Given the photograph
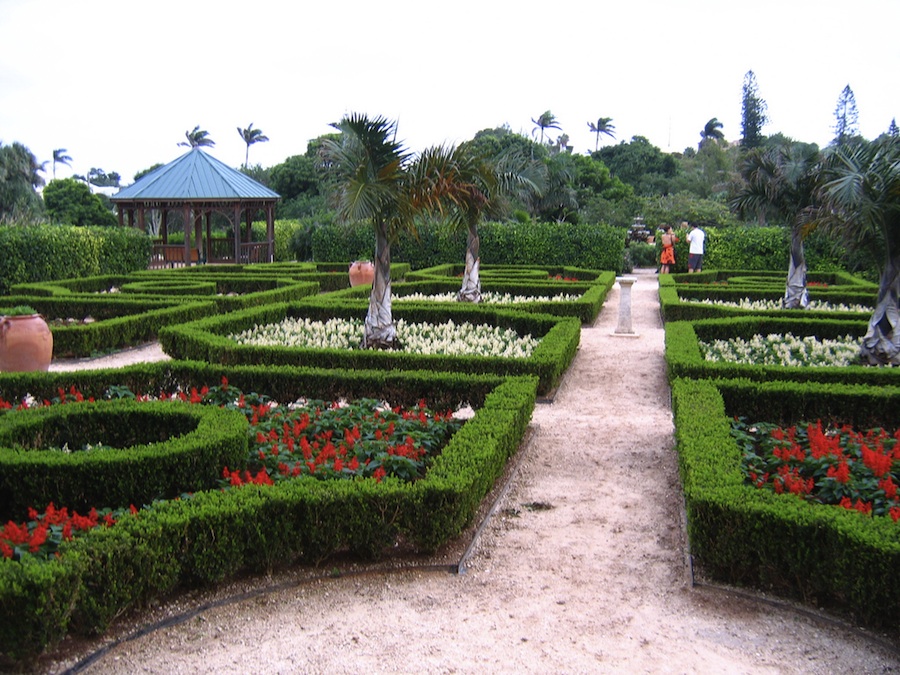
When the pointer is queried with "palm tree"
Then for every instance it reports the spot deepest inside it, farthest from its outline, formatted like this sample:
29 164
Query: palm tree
546 121
603 126
60 157
711 132
861 202
372 179
466 186
251 136
196 138
781 182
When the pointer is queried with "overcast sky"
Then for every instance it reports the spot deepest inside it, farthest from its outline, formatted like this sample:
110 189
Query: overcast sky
118 83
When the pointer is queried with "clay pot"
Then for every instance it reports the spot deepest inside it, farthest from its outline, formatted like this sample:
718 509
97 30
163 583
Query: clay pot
26 343
362 272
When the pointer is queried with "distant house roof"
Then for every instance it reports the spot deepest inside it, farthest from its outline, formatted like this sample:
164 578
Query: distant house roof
195 176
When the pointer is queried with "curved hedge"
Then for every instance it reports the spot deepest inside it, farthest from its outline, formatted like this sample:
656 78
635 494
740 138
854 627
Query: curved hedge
159 450
216 534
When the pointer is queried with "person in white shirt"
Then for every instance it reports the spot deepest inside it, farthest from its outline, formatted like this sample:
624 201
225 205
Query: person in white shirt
696 237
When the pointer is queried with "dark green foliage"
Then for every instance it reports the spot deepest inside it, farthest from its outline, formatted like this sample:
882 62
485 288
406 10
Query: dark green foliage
640 164
753 113
19 180
830 556
206 340
684 359
71 202
48 252
156 450
597 247
217 534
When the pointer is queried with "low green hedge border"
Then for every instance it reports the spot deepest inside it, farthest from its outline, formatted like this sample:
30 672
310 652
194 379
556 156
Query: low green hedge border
675 303
683 356
515 273
170 287
329 276
586 307
843 280
216 534
159 449
206 340
119 322
826 556
229 290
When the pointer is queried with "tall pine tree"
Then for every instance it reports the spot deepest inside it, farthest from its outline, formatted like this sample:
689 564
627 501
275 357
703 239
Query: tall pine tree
846 117
753 113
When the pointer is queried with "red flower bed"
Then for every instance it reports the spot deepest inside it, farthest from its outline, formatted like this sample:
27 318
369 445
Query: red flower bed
345 440
852 469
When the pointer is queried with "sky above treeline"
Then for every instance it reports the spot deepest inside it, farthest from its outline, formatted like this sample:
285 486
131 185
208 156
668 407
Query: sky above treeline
117 84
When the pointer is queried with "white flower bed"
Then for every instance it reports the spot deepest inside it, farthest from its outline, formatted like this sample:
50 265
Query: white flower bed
487 297
783 350
419 338
817 305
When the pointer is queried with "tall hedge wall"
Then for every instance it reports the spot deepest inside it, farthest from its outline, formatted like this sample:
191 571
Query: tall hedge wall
598 247
49 252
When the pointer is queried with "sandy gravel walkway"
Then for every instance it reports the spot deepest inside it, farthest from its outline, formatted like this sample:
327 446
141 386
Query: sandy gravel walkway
581 569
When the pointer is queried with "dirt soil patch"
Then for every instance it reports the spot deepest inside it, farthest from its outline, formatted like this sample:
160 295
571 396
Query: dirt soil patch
581 566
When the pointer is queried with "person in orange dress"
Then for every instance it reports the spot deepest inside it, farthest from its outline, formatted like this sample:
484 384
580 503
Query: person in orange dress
667 258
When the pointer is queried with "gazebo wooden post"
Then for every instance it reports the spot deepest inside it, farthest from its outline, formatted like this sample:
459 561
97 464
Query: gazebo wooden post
141 224
188 219
236 231
270 231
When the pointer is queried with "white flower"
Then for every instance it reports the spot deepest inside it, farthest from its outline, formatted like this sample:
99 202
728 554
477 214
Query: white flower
419 338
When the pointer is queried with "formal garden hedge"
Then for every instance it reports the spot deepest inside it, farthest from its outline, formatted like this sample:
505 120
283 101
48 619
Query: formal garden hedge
46 252
155 450
828 556
586 307
84 326
592 246
207 340
685 298
216 534
684 359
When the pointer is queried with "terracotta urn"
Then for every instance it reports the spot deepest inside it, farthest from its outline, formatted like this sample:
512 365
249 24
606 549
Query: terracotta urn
26 343
362 272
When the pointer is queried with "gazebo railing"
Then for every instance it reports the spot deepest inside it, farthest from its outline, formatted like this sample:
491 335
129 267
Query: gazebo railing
172 255
256 252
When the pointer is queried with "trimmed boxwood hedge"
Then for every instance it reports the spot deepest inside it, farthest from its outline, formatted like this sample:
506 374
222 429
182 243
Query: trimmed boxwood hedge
206 340
586 307
119 322
675 302
683 356
158 450
828 556
216 534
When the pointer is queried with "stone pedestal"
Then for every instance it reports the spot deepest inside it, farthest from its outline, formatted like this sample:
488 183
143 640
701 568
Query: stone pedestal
624 326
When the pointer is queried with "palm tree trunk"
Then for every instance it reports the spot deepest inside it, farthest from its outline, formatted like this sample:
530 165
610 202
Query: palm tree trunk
380 332
471 283
796 295
881 345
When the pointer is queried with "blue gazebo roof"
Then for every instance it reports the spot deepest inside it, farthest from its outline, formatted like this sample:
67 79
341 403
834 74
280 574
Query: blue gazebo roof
195 176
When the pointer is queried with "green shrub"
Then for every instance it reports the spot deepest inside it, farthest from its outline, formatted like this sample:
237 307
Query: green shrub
826 555
597 247
155 450
48 252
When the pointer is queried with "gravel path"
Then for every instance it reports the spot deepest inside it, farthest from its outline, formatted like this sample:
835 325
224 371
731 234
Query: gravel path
582 568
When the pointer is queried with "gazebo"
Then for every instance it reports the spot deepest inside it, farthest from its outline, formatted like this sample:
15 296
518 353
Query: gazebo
196 185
